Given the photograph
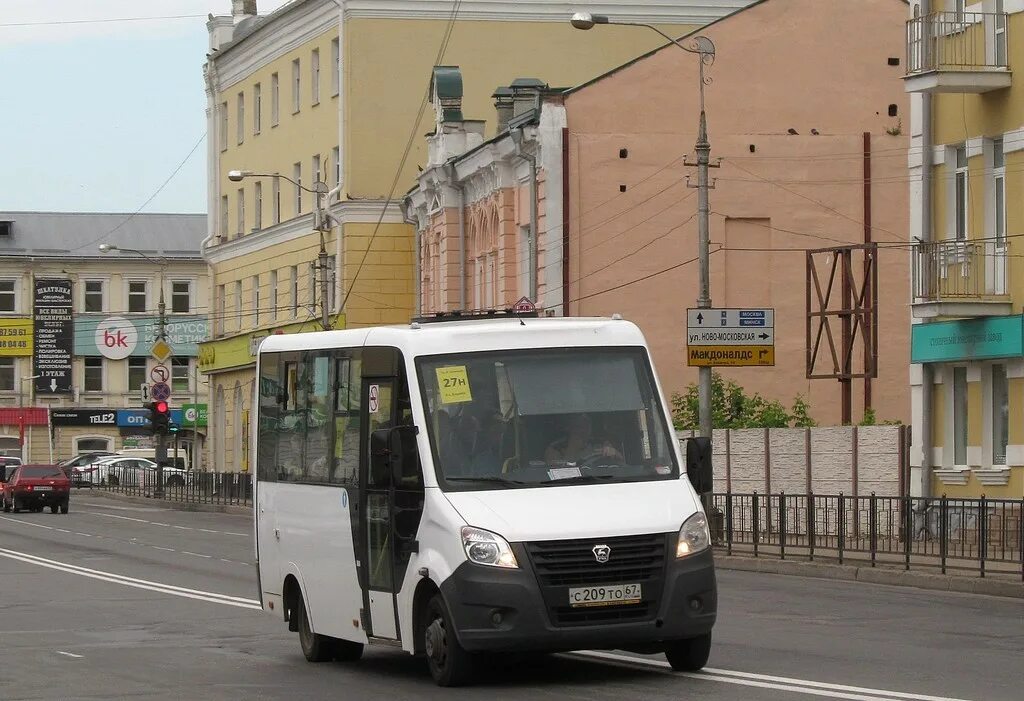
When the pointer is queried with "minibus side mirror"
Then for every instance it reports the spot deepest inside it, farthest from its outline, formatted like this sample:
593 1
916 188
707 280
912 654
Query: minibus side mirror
405 464
698 464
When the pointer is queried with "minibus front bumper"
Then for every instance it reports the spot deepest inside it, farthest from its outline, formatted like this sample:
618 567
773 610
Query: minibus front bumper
496 609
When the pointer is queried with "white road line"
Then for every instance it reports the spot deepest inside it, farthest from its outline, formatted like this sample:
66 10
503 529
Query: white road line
766 681
170 550
186 552
87 535
70 654
27 523
166 525
212 597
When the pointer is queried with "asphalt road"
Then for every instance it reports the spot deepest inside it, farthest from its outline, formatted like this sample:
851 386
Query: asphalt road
116 601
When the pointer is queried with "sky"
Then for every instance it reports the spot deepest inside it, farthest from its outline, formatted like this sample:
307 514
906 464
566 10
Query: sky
98 115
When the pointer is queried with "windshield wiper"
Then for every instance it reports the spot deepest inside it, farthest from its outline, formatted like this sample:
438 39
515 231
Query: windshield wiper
583 479
491 480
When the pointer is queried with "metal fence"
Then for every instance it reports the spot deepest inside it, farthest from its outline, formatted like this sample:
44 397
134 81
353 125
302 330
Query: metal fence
195 487
944 41
981 535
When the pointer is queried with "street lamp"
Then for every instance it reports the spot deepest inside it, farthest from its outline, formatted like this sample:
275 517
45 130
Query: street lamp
161 440
705 49
21 412
322 222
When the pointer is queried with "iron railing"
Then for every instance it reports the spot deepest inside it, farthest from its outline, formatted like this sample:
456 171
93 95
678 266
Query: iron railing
957 41
981 535
960 269
195 487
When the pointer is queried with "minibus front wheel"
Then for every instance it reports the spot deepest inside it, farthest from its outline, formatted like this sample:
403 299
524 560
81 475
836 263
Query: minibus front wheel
689 655
450 663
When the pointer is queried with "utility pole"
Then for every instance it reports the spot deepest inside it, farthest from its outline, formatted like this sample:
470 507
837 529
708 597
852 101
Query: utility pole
161 438
706 51
323 225
195 422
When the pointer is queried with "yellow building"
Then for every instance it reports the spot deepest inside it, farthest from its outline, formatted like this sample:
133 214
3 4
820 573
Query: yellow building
337 90
967 212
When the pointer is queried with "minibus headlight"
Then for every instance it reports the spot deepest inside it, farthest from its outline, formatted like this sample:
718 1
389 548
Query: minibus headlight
694 536
486 548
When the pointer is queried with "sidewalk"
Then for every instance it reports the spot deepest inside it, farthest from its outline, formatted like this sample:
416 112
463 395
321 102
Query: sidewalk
163 503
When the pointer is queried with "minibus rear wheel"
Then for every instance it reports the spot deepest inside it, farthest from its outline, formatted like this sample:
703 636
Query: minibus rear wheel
689 655
450 663
316 647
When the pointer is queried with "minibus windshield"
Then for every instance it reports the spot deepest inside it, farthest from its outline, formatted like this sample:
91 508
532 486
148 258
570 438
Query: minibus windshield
545 417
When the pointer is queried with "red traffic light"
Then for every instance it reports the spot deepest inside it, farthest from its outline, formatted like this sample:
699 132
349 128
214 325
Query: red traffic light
161 407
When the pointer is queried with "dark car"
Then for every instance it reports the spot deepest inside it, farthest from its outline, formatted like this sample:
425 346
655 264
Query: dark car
34 487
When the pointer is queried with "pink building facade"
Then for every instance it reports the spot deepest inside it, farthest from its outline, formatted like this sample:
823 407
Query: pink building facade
808 114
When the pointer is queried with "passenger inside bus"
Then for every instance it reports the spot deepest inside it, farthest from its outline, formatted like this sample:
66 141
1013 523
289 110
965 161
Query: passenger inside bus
578 445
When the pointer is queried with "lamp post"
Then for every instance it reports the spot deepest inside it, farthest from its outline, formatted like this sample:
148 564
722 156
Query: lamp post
705 50
21 412
321 222
161 439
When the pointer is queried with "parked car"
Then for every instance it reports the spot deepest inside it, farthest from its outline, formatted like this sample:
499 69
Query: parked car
9 460
81 467
34 487
134 472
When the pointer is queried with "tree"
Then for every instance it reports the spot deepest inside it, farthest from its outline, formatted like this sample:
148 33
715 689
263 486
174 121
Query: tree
731 407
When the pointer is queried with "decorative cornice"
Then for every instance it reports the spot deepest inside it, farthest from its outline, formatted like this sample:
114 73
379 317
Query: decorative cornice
274 38
348 212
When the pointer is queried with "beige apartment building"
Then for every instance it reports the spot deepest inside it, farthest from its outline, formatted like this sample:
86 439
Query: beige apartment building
806 114
77 324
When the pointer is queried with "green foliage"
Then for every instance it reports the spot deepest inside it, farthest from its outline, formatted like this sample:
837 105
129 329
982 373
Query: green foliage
732 407
871 419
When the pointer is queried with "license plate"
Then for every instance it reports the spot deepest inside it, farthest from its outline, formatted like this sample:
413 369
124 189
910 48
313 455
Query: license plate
44 489
611 595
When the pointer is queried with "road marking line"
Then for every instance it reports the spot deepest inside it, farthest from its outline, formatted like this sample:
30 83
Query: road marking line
212 597
766 681
165 525
70 654
63 530
27 523
170 550
186 552
87 535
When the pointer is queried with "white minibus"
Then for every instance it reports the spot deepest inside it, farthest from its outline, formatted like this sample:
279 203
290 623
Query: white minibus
463 485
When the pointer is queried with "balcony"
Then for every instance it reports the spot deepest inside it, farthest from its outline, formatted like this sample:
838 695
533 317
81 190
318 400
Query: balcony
957 52
961 279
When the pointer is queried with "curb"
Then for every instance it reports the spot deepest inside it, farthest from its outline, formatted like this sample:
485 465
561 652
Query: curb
167 504
873 575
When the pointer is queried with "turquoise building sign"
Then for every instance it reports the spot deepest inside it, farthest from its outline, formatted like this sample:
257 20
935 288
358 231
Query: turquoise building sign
967 339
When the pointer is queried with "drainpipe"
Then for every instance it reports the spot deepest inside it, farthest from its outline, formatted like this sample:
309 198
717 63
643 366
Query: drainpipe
532 240
927 234
409 216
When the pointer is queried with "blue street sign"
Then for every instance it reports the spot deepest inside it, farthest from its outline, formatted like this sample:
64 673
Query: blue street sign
161 391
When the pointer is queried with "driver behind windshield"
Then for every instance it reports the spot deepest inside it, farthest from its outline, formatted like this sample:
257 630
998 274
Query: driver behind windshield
578 445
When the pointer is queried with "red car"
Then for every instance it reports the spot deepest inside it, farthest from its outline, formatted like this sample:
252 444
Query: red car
34 487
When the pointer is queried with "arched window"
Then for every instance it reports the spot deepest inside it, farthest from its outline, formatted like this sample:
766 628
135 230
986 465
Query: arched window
237 433
87 444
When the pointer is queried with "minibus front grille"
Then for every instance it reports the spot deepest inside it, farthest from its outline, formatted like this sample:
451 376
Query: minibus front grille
570 563
569 616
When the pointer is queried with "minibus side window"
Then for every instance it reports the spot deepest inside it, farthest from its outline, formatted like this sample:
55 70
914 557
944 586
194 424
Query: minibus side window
270 392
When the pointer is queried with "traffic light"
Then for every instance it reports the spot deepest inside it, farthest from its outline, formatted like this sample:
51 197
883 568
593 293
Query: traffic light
159 417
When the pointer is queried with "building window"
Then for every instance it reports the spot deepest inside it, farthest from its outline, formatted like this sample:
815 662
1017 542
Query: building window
89 445
136 373
275 100
295 290
336 159
257 108
335 66
241 211
180 372
181 297
7 373
960 416
8 295
272 299
1000 31
257 210
1000 415
296 86
314 76
524 261
223 126
93 375
275 193
256 299
93 296
297 177
238 304
224 215
221 306
961 194
312 286
240 128
999 192
314 177
137 302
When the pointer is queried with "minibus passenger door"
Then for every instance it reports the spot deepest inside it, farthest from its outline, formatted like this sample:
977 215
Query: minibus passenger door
377 560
